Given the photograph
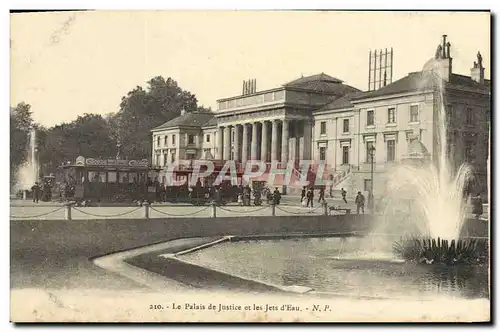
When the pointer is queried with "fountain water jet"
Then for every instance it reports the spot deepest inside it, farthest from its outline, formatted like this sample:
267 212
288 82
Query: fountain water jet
435 187
28 173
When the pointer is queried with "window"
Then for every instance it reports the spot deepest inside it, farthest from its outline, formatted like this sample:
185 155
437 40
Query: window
322 153
345 155
470 116
173 139
369 147
132 178
165 140
157 141
391 150
391 115
414 113
112 177
172 157
368 185
449 110
123 177
322 128
165 159
469 152
207 139
370 118
190 139
157 160
346 125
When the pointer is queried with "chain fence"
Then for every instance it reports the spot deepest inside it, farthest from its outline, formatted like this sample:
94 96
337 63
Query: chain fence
298 213
179 215
105 215
38 215
244 211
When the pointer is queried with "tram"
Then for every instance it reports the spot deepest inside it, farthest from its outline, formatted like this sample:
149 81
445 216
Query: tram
111 180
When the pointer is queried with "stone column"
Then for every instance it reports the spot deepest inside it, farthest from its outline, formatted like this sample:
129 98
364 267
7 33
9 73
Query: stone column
236 143
284 142
244 145
274 140
307 140
264 148
218 154
254 141
227 143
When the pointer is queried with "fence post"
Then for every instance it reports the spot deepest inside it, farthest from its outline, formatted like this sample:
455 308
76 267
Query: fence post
214 210
325 208
146 210
67 211
273 209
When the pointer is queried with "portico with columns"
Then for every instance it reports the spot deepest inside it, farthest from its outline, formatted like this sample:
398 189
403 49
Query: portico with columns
275 137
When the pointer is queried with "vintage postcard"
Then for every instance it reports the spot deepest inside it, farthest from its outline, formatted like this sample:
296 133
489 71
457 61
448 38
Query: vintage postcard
250 166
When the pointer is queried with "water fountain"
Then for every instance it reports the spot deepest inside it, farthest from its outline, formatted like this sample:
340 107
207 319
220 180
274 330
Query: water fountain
28 173
436 189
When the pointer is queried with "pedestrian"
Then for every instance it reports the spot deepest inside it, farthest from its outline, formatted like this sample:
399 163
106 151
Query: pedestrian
303 194
360 203
477 206
344 193
240 199
276 196
321 195
36 192
257 197
310 197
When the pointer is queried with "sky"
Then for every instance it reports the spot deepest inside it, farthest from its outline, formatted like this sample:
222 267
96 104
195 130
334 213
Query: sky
69 63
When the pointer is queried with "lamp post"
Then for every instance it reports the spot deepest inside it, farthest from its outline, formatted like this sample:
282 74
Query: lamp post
372 159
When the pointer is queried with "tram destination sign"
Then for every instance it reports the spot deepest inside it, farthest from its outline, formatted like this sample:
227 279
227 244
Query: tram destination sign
80 161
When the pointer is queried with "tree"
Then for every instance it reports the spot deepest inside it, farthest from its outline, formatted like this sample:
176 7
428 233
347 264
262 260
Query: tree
88 136
142 110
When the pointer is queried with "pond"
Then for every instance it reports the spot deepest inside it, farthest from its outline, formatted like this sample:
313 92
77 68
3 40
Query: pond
357 267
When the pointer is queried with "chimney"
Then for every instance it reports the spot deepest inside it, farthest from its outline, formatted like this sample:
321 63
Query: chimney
477 71
445 60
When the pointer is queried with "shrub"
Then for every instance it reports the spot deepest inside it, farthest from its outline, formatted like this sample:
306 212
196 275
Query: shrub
426 250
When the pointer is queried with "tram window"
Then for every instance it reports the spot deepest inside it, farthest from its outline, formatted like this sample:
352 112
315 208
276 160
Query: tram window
93 176
111 177
132 177
123 177
97 176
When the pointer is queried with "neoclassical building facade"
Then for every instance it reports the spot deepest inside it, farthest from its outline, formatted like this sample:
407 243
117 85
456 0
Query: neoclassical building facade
321 118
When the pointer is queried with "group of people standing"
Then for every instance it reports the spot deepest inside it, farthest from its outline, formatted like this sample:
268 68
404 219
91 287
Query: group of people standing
307 198
41 192
244 196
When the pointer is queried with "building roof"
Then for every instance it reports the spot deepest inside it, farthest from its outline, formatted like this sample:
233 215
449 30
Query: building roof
188 119
321 83
211 123
421 81
342 102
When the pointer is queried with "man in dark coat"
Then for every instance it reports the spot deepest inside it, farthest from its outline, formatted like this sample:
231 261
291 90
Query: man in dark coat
477 206
276 196
310 197
321 195
360 203
36 192
344 193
